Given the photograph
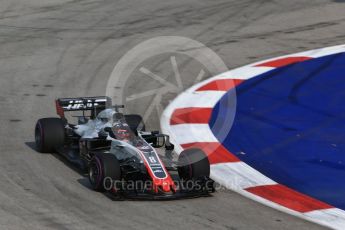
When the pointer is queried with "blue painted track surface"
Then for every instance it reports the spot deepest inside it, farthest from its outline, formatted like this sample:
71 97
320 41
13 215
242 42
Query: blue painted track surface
290 126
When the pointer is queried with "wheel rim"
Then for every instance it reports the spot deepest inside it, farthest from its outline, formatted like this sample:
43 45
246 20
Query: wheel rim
94 173
38 137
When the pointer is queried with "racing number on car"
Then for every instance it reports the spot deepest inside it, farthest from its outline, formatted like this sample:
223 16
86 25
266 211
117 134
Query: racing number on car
152 160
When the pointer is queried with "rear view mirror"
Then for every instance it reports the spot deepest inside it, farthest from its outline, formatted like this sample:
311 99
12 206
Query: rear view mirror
159 141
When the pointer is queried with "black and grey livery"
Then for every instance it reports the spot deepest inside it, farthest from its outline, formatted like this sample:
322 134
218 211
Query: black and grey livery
108 144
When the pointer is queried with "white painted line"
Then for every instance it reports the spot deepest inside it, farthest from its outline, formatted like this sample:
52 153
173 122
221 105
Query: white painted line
190 133
238 176
245 72
334 216
203 99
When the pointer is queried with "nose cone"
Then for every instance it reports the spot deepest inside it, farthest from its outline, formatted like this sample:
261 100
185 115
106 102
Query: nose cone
166 186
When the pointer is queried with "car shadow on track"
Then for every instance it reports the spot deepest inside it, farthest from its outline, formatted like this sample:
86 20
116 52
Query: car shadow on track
84 181
61 158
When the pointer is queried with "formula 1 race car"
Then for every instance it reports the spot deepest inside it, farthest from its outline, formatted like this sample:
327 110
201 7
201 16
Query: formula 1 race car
117 153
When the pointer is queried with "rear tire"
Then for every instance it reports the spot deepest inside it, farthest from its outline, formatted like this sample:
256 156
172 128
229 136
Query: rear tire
193 164
102 168
49 134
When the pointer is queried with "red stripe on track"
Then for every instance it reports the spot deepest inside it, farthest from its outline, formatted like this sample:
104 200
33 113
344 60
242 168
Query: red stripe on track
191 115
215 151
288 198
284 61
220 85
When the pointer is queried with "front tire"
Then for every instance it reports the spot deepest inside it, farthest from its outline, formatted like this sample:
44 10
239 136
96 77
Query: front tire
193 165
49 134
104 170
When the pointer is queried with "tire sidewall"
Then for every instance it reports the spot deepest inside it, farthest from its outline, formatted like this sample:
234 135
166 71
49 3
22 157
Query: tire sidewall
49 134
108 168
193 164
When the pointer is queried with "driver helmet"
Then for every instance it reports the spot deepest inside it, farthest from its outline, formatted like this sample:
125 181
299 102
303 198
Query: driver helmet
122 132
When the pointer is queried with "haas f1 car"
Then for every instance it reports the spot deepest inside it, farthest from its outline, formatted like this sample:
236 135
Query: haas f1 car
119 156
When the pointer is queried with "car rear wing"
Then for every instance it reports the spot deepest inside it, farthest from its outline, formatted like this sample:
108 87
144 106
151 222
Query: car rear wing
93 104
